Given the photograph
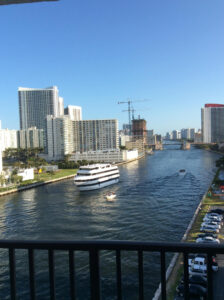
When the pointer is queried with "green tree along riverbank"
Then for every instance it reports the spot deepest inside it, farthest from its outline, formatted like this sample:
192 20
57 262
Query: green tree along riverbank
41 178
23 158
211 147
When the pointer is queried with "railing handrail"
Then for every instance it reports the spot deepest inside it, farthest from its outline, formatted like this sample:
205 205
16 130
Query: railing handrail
94 247
86 245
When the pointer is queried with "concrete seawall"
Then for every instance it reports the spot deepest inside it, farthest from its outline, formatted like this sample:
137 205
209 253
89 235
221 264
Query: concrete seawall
129 161
34 185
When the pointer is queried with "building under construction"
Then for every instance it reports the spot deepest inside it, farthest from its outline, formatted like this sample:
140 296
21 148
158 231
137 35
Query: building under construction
139 131
138 139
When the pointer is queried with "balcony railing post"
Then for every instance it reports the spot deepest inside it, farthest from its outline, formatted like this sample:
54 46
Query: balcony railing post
31 274
12 268
118 271
186 277
71 274
210 277
94 274
163 274
140 275
51 273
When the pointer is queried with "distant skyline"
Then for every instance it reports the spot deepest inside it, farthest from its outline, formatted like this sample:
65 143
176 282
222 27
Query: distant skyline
100 52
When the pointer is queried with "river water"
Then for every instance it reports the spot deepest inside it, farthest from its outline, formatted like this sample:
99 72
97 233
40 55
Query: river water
154 203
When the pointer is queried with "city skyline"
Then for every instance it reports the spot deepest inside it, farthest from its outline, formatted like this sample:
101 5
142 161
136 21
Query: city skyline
97 56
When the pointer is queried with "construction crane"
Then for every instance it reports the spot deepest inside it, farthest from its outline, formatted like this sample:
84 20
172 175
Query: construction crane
132 112
130 108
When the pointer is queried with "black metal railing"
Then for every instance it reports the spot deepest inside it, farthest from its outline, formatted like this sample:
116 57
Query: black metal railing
94 248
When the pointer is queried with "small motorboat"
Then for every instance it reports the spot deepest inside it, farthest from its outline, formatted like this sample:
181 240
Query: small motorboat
110 196
149 152
182 172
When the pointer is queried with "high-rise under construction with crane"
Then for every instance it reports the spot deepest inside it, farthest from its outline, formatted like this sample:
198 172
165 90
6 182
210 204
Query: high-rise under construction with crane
139 130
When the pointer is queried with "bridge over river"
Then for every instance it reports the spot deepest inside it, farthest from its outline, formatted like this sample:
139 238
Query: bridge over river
183 145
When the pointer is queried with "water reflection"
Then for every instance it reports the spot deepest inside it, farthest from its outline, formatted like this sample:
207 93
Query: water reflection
153 203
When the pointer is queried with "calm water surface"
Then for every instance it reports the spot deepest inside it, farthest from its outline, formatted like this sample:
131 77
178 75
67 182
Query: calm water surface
154 203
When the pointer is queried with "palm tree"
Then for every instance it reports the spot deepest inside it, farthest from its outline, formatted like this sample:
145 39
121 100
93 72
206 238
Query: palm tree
2 179
220 162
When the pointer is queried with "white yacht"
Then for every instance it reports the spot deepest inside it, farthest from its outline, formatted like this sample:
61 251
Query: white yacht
92 177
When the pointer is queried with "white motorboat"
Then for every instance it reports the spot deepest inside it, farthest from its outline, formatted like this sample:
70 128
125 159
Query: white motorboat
110 196
182 172
149 152
92 177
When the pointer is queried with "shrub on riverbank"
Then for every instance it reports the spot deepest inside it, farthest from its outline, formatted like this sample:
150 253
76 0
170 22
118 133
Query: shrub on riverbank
67 164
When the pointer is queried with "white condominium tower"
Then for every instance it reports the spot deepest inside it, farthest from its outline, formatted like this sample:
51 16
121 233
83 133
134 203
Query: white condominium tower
61 106
92 135
8 139
36 104
65 136
74 112
59 135
30 138
212 123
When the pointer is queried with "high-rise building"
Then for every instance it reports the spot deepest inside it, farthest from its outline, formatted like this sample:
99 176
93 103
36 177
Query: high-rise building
30 138
92 135
127 129
184 133
169 136
8 139
61 106
139 130
212 123
176 135
187 133
65 136
74 112
192 133
60 138
36 104
150 134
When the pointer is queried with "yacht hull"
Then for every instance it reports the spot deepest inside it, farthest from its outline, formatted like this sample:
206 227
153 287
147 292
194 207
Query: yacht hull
98 185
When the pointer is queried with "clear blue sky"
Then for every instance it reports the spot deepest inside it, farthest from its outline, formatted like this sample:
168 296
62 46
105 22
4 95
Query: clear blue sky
101 52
